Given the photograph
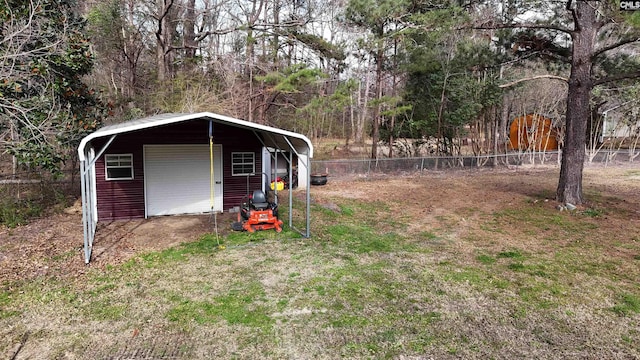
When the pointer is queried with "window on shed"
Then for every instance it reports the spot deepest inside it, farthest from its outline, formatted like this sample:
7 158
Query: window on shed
118 166
243 163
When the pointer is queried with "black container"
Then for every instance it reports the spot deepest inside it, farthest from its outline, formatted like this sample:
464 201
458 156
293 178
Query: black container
318 179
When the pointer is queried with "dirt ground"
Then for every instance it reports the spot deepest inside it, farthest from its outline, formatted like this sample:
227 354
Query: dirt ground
52 246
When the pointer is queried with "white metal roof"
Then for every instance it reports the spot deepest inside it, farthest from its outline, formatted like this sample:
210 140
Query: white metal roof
272 137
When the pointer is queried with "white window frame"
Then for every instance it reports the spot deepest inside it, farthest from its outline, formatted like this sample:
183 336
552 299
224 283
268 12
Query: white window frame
120 158
244 163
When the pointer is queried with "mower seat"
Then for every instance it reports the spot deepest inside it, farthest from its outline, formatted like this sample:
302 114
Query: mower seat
259 200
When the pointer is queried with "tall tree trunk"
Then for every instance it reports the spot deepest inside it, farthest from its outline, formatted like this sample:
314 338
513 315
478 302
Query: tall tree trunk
352 120
275 47
580 85
441 139
251 18
164 38
394 93
505 122
377 113
363 101
495 126
130 49
249 71
190 45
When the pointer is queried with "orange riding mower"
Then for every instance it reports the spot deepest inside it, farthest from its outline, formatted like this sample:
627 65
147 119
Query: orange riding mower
257 213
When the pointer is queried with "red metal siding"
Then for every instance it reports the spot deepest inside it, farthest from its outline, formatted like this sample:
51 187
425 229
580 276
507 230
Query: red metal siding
120 199
124 199
235 187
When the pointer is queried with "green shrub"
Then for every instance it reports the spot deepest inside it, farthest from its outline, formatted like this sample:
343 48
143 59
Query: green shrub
17 212
19 203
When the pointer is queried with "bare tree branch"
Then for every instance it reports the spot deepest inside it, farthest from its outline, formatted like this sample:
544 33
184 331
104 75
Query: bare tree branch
574 16
534 78
201 36
496 26
261 26
612 78
618 44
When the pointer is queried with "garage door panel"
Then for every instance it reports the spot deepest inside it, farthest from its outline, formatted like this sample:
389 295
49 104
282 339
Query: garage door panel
177 179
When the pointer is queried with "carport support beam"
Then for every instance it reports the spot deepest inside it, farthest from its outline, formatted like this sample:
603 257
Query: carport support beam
85 188
290 187
85 210
308 190
307 233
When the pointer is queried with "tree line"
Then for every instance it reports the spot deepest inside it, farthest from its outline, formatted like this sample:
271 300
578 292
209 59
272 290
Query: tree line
414 75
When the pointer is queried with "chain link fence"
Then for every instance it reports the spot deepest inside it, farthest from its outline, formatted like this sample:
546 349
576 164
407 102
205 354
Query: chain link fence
341 167
418 164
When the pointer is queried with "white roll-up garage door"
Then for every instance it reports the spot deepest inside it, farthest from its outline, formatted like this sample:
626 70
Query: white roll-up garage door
177 179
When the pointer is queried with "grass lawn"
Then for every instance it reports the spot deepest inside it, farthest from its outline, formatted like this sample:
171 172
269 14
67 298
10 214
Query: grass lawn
446 265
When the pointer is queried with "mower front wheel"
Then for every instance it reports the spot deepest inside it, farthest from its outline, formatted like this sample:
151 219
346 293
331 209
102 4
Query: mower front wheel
237 226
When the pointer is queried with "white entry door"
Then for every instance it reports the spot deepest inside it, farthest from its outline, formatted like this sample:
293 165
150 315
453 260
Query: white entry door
178 179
